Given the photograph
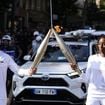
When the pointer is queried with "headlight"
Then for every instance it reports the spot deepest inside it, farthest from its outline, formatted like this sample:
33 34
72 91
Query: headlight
73 75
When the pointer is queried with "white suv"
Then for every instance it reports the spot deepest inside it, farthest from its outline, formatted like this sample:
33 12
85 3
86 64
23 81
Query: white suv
54 81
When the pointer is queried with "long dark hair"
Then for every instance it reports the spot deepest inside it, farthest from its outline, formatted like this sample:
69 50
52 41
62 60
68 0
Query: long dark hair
102 36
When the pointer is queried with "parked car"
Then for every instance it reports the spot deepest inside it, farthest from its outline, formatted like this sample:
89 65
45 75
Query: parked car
55 81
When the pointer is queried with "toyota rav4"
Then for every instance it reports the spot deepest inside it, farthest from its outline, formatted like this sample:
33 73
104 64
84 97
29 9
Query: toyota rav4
54 80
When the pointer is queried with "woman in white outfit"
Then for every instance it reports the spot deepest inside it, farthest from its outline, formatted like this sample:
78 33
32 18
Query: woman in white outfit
95 75
7 62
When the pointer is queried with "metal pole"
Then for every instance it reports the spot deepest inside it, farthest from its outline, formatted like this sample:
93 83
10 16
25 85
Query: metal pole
51 19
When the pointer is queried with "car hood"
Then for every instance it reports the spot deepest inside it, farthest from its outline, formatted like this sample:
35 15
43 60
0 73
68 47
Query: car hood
50 67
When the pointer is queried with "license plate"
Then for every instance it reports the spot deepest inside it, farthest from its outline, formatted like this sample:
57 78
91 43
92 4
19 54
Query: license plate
45 91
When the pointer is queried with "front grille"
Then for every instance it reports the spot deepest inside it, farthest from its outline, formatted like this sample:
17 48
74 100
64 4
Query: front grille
62 95
50 82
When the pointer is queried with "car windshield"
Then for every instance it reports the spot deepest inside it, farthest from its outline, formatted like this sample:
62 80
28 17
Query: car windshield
54 54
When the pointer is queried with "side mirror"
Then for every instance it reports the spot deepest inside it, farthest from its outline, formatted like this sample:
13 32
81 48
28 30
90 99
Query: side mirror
27 57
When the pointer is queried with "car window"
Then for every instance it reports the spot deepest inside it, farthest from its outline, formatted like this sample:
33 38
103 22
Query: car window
54 54
80 52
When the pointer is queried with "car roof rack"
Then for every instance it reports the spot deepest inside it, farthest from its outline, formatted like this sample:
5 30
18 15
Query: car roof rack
76 35
98 33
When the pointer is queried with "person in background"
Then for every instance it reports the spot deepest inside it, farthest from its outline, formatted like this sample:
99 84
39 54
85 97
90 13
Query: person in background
13 45
94 75
35 44
9 46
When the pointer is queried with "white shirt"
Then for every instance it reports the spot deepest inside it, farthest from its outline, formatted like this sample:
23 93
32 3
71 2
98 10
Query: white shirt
95 76
5 62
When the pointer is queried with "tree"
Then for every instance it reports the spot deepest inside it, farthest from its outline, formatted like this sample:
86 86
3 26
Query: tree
102 4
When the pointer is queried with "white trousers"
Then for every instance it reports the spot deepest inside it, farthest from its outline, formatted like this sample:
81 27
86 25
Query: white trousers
3 101
95 101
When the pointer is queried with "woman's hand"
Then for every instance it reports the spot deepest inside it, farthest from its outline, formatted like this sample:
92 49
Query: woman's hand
73 66
32 71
